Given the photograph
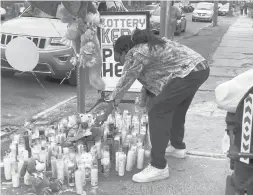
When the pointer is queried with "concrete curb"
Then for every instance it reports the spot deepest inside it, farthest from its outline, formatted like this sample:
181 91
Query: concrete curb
43 113
196 33
207 154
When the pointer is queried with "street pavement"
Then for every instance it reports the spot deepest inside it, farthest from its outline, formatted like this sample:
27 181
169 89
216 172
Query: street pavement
205 124
24 95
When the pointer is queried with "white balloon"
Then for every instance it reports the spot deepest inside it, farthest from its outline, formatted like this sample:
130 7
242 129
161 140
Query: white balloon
22 54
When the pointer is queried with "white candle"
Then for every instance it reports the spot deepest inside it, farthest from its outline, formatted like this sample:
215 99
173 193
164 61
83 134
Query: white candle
140 158
27 179
66 162
26 155
54 167
65 150
94 176
15 180
117 161
123 135
99 149
7 167
122 164
60 169
79 178
130 157
134 148
20 165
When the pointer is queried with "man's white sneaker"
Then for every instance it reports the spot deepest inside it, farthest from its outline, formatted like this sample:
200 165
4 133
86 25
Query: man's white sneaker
150 174
178 153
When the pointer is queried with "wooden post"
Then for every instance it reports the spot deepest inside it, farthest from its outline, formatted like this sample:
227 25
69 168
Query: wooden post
215 14
163 18
168 26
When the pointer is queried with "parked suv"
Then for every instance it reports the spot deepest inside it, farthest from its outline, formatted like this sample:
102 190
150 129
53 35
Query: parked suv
46 32
203 12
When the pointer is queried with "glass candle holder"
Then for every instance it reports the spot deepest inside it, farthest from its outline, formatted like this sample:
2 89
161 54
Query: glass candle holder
60 169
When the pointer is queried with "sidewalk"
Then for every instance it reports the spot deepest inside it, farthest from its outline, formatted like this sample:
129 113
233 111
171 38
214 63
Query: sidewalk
234 55
205 125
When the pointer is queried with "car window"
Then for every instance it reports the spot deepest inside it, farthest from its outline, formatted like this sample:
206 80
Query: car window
205 6
111 7
119 6
36 13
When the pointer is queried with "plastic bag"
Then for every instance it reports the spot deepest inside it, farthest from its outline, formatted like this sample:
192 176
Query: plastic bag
225 143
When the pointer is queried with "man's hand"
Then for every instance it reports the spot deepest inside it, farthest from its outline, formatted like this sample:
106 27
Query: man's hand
143 110
100 119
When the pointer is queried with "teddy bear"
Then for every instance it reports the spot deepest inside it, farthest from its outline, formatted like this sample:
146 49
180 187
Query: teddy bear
41 184
88 55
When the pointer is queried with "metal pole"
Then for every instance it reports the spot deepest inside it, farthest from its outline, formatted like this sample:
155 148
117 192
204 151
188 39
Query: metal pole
81 89
163 18
215 14
230 12
168 27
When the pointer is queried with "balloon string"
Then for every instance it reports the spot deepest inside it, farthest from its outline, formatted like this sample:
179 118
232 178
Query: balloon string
41 84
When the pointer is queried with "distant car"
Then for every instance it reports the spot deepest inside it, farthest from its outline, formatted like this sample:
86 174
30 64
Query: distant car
187 8
223 10
150 8
3 13
155 22
46 33
203 12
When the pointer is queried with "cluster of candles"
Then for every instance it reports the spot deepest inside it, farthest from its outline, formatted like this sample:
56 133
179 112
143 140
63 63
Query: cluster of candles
123 144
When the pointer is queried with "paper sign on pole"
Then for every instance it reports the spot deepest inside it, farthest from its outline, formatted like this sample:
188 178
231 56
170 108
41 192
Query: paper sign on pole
115 25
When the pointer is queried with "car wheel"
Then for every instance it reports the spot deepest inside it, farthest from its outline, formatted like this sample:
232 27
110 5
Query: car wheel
7 73
193 20
73 79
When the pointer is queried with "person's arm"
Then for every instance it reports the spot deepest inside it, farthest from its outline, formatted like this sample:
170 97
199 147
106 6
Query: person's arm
131 71
143 97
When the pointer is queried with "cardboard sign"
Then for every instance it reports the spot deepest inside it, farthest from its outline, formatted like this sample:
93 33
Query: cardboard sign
115 25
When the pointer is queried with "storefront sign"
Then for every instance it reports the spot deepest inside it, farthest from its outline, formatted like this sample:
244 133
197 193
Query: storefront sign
115 25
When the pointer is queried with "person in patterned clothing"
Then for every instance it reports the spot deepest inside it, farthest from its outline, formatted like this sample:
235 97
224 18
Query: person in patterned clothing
171 74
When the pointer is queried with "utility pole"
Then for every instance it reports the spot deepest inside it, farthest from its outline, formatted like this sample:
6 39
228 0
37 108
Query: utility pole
162 18
215 14
165 19
168 27
230 11
81 84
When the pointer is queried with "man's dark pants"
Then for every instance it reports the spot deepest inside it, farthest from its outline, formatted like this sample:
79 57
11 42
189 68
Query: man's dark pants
167 114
